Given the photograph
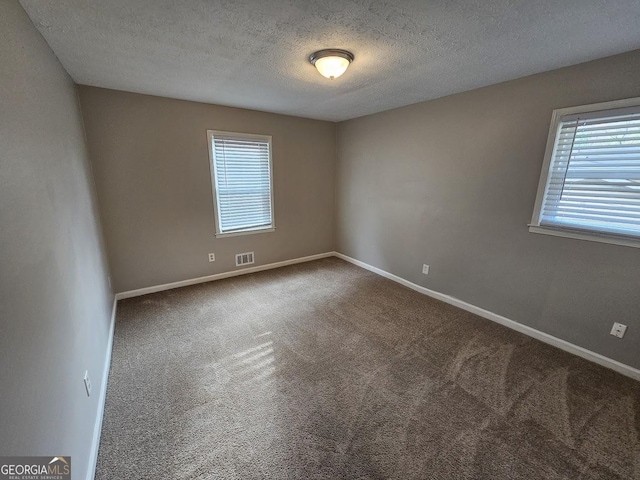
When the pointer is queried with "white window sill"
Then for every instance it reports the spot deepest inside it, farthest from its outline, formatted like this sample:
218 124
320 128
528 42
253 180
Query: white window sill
589 236
246 232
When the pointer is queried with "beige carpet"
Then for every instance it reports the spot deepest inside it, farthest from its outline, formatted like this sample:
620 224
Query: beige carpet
324 370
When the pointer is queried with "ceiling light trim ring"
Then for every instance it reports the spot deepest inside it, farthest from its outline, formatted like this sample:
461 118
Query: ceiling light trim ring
331 52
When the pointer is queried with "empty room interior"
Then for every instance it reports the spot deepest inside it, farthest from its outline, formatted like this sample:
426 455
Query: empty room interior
297 239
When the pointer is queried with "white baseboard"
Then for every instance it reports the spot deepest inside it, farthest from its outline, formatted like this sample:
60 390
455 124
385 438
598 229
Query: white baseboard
519 327
97 429
219 276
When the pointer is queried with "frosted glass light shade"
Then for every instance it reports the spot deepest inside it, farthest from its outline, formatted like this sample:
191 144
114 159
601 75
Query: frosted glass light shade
331 63
332 67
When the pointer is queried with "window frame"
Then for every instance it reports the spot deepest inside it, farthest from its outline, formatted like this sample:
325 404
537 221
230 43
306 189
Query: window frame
567 232
214 183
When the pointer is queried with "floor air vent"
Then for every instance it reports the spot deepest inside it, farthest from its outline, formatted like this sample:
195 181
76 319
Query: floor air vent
244 259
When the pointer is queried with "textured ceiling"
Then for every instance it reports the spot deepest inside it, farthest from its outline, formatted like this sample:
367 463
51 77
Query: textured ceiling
253 54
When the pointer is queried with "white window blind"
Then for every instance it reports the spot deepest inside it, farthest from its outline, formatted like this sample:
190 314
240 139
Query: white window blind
593 178
241 167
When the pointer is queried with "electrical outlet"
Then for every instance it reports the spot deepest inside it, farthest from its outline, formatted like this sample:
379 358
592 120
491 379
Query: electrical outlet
212 257
87 383
618 330
425 269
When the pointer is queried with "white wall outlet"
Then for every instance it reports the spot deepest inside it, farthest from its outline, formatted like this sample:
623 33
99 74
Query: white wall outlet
618 330
87 383
425 269
212 257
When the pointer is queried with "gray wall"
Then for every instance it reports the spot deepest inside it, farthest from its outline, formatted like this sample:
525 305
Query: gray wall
55 303
452 183
151 163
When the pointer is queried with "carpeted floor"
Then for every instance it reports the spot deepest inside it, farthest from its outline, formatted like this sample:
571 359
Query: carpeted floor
325 370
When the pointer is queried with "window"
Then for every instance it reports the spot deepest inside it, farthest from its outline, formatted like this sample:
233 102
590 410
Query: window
242 186
590 182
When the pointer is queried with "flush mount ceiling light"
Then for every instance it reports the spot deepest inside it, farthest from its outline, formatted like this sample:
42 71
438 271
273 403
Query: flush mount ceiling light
332 62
